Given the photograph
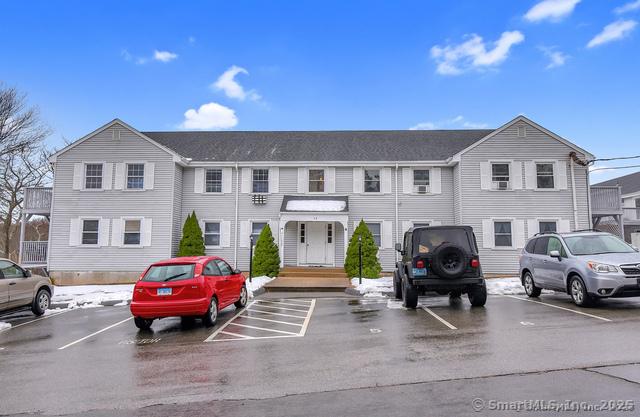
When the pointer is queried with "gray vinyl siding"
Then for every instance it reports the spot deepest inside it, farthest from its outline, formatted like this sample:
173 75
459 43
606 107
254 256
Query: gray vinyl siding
68 203
291 244
210 206
177 209
421 208
478 204
339 244
456 195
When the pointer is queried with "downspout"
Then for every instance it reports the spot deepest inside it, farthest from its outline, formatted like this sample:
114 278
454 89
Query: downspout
589 199
235 224
573 194
396 225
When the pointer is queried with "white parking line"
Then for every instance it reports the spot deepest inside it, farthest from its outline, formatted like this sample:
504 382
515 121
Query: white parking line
274 314
558 307
440 319
281 303
241 336
224 326
262 328
33 321
272 321
95 333
282 308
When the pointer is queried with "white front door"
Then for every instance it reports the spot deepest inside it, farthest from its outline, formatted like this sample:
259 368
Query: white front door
316 243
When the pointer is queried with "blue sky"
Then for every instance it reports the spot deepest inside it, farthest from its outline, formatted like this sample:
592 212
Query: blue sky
573 66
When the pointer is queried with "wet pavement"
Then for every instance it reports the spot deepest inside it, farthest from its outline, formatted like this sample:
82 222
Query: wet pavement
357 356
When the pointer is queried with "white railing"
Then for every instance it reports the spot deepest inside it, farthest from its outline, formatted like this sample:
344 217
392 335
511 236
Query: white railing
37 199
34 252
606 200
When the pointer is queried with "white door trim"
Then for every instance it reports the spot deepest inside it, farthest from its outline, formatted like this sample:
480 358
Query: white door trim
329 248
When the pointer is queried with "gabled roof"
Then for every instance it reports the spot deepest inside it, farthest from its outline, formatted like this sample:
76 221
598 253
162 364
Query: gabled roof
344 145
630 183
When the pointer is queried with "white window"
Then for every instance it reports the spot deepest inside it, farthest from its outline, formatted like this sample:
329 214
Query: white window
212 234
256 229
316 180
260 180
135 176
500 178
330 233
547 226
93 176
213 181
544 175
376 231
302 232
371 180
90 228
502 234
421 181
132 229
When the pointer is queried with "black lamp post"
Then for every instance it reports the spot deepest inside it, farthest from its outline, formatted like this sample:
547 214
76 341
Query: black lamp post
360 258
250 258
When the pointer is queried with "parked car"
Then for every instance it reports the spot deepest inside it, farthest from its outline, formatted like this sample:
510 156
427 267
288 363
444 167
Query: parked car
443 259
20 289
187 287
587 265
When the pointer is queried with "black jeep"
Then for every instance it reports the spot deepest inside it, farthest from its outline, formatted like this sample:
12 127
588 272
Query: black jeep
443 259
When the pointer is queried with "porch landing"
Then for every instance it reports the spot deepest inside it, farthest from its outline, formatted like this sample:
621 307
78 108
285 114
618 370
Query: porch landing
309 279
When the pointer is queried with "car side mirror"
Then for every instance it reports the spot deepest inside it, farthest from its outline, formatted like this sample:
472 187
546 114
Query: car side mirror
236 272
399 247
555 254
27 273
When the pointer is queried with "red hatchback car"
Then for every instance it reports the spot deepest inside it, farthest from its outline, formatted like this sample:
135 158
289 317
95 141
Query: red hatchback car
190 287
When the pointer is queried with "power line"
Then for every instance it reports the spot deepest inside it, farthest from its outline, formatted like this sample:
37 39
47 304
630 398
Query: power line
612 168
616 158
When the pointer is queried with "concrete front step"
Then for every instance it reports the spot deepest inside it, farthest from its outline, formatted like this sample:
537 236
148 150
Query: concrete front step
308 284
311 273
310 268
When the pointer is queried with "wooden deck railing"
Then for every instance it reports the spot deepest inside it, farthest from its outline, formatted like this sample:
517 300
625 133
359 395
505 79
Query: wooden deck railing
34 252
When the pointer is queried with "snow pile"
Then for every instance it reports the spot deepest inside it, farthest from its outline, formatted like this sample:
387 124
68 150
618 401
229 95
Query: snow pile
373 287
257 283
507 286
4 325
89 296
316 205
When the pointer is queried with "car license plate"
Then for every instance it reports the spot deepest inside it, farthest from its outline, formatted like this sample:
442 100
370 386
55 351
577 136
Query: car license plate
164 291
419 272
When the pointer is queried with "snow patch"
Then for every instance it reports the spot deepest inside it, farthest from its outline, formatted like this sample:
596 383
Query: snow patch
395 305
4 325
373 287
257 283
507 286
91 296
316 205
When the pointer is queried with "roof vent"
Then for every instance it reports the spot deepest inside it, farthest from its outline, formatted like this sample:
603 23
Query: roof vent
522 131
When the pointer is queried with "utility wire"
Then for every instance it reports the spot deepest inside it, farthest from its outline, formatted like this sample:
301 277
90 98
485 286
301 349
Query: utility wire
608 168
613 159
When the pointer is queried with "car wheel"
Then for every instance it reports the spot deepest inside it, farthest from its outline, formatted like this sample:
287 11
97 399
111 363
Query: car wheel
530 286
142 323
409 295
397 286
244 296
478 295
41 302
579 293
211 316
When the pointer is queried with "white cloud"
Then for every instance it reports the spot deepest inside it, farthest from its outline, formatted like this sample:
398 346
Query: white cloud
473 53
210 116
552 10
164 56
456 122
629 7
556 58
612 32
191 40
227 83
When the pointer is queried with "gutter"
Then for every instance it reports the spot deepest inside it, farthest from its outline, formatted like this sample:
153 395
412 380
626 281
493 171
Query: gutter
235 223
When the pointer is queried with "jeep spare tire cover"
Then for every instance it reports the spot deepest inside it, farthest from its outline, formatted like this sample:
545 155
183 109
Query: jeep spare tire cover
449 260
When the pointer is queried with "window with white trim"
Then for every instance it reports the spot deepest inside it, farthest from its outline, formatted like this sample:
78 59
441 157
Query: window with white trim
260 180
256 229
638 208
502 234
547 226
371 180
212 234
303 227
135 176
316 180
421 181
329 232
544 175
213 181
500 176
93 176
376 231
132 232
90 231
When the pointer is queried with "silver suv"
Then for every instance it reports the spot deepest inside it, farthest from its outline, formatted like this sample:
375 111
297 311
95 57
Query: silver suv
588 265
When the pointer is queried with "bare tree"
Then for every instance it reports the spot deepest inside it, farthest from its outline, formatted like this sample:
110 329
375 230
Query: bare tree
21 128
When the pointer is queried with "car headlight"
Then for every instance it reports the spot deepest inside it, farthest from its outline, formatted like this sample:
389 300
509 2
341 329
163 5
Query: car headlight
601 268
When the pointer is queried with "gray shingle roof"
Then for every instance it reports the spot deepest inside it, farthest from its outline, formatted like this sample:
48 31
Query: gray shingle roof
629 183
358 145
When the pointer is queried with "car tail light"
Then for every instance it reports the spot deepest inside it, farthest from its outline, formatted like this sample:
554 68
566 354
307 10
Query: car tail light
475 263
420 264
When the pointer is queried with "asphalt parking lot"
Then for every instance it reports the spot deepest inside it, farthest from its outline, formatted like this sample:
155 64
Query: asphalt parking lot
336 355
